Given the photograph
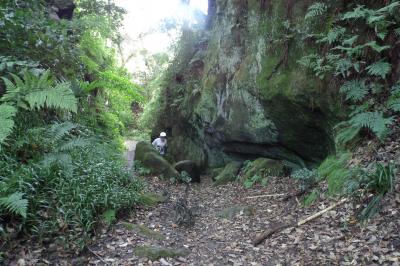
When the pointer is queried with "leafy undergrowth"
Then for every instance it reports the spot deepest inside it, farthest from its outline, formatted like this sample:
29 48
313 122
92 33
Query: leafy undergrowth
66 192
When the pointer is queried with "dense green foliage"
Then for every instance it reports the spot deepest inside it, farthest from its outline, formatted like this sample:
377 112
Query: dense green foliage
354 53
359 43
64 105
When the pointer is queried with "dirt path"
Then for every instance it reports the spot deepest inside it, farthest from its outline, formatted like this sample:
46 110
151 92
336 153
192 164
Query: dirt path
227 221
130 152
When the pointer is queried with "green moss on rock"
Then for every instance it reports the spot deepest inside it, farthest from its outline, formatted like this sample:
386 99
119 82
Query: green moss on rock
151 199
144 230
229 173
155 253
264 166
153 161
231 212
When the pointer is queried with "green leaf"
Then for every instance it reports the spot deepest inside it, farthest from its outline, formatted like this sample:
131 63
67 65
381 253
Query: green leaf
315 10
377 47
359 12
354 90
59 97
350 41
15 204
7 113
375 121
380 68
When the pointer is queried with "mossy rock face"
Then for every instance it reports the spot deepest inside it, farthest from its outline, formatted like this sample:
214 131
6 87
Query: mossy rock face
231 212
144 230
229 173
252 100
265 167
155 253
153 161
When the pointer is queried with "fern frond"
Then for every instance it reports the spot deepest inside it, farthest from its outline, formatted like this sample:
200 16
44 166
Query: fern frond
59 130
333 35
315 10
58 97
346 134
377 47
394 99
375 121
62 160
380 69
354 90
389 8
359 12
73 143
11 90
15 204
7 113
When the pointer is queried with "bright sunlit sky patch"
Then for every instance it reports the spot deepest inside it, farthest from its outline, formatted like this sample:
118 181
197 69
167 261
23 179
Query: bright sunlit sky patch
146 15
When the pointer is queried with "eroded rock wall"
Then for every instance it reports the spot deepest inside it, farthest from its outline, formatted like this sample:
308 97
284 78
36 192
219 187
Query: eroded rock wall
236 91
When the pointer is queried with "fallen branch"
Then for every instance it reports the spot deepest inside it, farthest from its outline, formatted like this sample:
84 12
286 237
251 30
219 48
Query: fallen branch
280 227
98 256
266 196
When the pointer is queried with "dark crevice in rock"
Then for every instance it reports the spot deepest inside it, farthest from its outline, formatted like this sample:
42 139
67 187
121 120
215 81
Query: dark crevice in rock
277 151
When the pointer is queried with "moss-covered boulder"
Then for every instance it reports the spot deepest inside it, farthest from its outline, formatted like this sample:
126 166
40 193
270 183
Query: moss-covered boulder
155 253
229 173
151 199
141 149
152 160
229 213
144 230
265 167
190 168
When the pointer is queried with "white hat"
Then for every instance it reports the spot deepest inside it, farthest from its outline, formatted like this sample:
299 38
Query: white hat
163 134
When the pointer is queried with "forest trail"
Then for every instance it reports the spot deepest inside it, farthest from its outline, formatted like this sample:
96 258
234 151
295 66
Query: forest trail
130 146
226 222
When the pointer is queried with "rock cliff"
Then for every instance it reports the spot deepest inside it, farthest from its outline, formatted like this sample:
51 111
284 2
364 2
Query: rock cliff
236 91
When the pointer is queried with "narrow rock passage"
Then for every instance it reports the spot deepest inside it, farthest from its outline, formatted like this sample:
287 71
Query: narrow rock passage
227 221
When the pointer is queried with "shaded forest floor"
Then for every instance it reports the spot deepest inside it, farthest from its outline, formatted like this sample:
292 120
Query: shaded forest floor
227 221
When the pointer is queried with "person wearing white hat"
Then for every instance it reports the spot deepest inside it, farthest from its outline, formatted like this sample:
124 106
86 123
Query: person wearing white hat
161 143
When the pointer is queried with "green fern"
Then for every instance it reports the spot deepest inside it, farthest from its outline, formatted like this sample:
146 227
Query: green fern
58 97
355 90
394 99
37 92
315 10
58 130
7 113
389 8
380 69
375 121
359 12
333 35
377 47
73 143
346 133
15 204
